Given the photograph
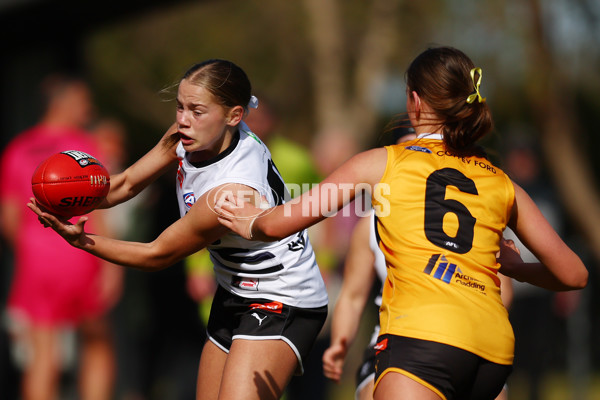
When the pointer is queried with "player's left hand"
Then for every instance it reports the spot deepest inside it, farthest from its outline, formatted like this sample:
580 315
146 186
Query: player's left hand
73 233
509 256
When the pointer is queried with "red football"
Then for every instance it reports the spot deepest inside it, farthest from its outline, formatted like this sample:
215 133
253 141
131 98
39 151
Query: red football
70 183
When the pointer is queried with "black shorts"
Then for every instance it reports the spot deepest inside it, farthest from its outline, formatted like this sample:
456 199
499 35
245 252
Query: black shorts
234 317
453 373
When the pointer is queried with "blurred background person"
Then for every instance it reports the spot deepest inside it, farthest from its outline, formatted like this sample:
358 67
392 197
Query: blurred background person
293 160
538 315
56 292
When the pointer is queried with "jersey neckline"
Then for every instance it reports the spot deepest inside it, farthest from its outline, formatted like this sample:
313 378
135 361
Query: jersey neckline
221 155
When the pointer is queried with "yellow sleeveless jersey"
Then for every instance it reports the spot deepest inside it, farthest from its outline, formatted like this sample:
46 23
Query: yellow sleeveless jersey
440 221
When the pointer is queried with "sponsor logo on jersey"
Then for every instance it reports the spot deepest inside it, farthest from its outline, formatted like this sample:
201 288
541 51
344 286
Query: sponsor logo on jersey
418 148
380 346
273 306
189 199
245 283
438 267
482 164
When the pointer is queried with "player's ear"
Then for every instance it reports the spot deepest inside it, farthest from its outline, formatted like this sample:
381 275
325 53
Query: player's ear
417 103
235 115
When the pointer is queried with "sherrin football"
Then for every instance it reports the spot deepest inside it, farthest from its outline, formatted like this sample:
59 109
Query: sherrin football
70 183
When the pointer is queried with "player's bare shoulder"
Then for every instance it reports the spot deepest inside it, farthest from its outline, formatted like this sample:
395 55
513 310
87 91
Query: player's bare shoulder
368 166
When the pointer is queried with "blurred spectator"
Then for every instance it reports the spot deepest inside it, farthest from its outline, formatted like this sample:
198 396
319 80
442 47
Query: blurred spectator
537 314
56 290
111 138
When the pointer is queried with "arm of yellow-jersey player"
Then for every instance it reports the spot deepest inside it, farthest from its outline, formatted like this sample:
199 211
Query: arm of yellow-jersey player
559 267
363 171
509 253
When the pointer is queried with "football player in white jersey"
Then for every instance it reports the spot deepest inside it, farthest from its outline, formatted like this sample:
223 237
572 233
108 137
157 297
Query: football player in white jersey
271 300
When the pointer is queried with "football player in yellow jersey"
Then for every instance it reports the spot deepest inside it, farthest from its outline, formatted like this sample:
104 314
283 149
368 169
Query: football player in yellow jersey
441 208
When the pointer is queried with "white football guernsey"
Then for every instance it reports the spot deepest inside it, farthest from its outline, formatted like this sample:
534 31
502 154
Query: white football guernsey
284 271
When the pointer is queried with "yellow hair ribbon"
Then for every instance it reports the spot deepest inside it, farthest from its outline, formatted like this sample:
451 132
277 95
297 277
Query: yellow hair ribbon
476 95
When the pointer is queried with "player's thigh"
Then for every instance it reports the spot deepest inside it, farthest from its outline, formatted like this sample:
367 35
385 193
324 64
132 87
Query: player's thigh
394 385
257 370
210 371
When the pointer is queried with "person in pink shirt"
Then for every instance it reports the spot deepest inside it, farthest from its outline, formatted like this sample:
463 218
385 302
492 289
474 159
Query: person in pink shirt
55 288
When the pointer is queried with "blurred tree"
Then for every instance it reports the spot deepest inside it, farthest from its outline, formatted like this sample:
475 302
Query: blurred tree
552 98
342 103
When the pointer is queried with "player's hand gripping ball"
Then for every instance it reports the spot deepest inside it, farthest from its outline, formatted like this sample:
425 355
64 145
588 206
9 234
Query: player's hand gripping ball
70 183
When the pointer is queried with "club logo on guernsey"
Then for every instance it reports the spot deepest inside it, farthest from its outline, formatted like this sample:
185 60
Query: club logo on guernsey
189 199
438 267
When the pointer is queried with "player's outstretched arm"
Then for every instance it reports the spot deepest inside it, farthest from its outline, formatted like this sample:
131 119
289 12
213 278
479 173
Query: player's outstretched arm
364 170
197 229
559 267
